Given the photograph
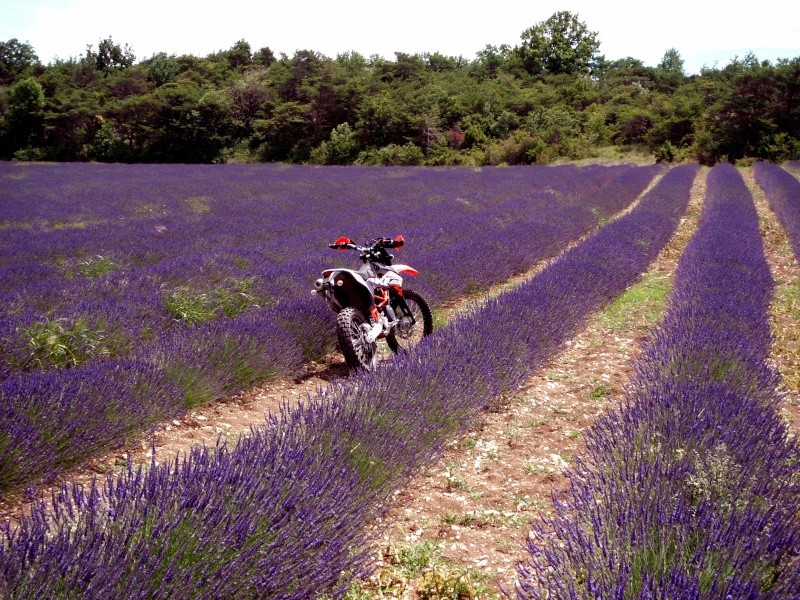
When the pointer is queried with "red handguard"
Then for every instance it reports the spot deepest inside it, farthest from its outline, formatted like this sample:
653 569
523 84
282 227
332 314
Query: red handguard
397 242
341 244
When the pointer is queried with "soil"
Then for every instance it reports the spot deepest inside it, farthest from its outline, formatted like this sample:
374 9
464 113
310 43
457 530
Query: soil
785 313
477 501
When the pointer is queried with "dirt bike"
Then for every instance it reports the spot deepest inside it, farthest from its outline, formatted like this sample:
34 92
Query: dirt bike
371 303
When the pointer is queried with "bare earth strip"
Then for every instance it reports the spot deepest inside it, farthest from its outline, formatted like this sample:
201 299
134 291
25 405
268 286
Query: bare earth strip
477 501
785 309
235 416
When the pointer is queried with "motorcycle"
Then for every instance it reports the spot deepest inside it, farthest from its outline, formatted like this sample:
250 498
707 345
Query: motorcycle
371 303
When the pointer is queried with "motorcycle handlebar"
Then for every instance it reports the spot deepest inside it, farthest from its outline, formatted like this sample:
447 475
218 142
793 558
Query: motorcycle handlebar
397 242
388 243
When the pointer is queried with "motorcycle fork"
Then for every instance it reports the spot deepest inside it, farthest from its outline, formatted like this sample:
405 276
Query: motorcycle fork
399 300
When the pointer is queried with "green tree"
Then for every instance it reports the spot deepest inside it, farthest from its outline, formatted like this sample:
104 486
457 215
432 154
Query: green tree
15 58
130 129
70 124
286 134
22 120
491 60
670 73
162 68
193 124
110 55
405 67
340 149
250 97
624 72
741 114
380 121
787 100
240 55
561 44
265 57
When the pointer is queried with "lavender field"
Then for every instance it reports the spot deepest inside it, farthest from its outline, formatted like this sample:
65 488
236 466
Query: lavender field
689 490
284 513
133 293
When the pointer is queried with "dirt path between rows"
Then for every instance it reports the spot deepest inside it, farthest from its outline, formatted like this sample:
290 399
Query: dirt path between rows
234 416
785 309
476 503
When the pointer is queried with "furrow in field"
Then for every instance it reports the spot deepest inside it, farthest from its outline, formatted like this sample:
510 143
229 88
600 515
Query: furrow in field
785 306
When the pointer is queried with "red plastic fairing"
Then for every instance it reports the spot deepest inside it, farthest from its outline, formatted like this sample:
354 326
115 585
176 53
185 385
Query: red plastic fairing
343 240
327 272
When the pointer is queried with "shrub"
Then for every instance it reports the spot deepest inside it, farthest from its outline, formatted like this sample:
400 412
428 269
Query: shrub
393 155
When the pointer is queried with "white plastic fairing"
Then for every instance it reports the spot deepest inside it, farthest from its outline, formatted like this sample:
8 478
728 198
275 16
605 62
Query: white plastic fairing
406 270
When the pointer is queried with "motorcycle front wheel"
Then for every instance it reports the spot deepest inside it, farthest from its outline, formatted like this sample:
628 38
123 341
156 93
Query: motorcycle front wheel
414 324
352 329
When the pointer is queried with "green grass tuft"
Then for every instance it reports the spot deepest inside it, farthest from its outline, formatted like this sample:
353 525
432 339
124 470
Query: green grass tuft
96 266
230 298
418 569
60 343
645 300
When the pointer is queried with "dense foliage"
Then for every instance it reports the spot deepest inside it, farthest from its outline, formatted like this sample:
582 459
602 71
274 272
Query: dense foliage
131 293
283 515
690 489
552 96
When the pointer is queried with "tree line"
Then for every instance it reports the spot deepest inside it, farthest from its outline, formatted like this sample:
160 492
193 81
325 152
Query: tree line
551 97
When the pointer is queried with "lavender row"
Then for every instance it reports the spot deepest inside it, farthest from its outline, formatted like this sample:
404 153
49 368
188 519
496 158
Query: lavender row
52 420
688 490
103 286
285 514
783 194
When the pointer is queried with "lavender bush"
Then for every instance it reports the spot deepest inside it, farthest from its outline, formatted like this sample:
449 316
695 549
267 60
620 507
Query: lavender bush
690 489
199 276
285 513
783 194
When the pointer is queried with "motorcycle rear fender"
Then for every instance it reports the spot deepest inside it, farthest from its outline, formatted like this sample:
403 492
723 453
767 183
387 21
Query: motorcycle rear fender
353 291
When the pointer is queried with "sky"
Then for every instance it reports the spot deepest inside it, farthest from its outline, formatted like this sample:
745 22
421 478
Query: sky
705 33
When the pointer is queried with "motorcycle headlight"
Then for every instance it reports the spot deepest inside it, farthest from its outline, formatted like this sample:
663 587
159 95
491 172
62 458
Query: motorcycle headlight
318 285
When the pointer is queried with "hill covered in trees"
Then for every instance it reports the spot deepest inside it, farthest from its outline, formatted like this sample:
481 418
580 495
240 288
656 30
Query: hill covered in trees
551 97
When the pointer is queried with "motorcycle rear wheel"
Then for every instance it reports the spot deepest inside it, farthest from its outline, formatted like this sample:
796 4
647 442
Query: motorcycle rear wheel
409 332
352 328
